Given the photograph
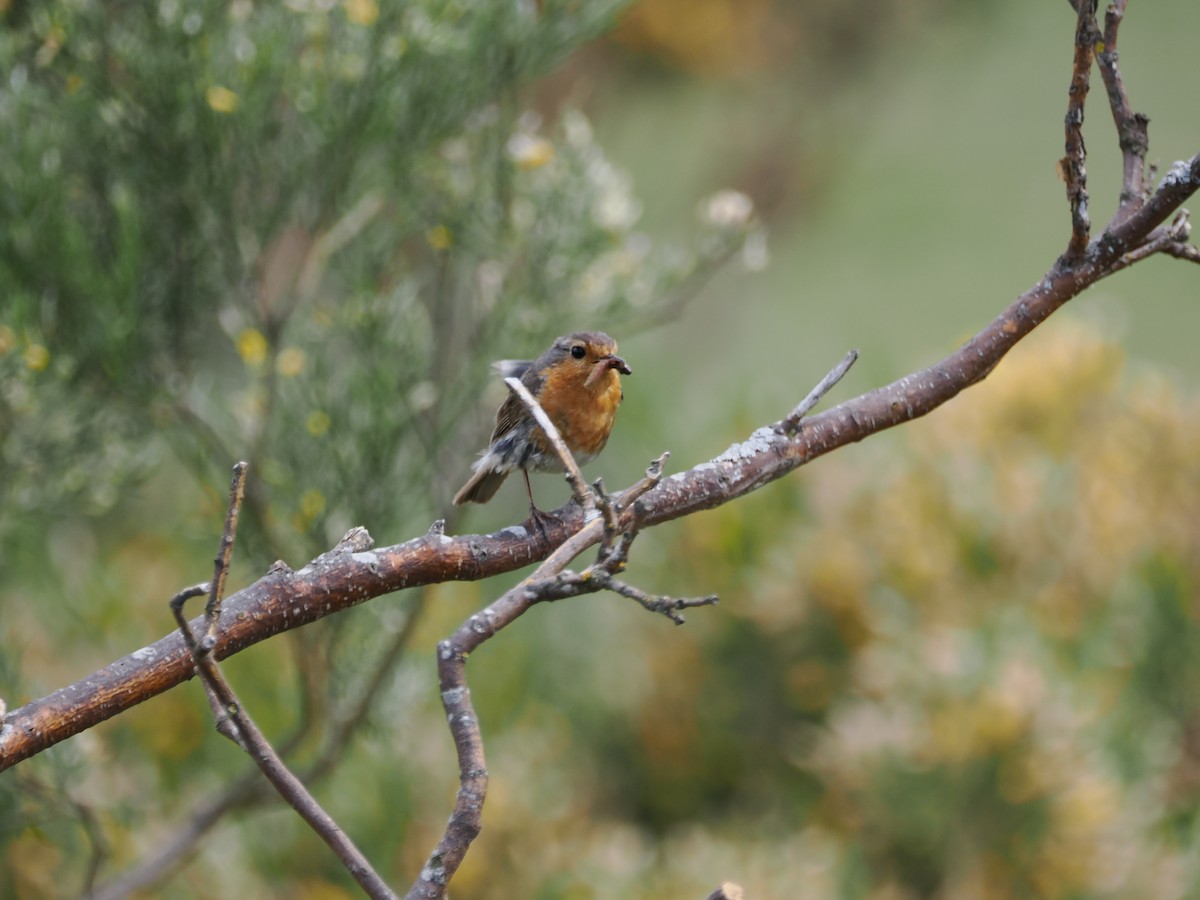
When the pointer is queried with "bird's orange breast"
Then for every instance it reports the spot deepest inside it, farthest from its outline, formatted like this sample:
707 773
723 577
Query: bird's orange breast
583 415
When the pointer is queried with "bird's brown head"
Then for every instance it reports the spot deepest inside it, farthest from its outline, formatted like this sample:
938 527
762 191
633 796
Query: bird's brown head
589 356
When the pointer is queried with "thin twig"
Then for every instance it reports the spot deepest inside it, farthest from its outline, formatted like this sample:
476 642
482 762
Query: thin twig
176 603
289 786
212 610
792 421
1132 128
658 603
579 487
594 529
1169 239
549 582
1073 164
1186 252
608 513
234 722
248 789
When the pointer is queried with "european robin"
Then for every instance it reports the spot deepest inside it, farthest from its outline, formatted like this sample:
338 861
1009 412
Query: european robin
577 383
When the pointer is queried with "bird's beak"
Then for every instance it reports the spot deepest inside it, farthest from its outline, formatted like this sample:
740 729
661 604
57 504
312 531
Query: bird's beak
605 364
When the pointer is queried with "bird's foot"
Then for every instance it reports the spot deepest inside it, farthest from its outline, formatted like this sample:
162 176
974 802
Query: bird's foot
541 519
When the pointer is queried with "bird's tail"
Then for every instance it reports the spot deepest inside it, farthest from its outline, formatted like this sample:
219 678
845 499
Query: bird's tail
481 487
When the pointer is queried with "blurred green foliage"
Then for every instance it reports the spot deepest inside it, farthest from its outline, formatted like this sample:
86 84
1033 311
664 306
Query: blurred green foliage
956 661
211 209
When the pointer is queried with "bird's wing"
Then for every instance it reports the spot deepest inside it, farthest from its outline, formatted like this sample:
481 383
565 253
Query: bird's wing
508 416
512 410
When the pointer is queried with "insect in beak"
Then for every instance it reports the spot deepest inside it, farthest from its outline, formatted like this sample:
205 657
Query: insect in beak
605 364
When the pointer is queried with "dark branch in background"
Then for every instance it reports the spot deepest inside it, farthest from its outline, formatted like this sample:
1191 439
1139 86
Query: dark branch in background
55 794
234 722
1147 222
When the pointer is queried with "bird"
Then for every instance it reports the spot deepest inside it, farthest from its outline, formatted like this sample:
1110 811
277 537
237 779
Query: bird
577 381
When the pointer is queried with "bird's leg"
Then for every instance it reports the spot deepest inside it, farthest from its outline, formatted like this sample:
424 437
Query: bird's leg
536 515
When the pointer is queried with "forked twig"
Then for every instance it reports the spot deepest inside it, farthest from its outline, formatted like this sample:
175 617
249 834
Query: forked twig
234 722
549 582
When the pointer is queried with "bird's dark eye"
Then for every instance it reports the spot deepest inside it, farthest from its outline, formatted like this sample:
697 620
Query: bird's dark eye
577 351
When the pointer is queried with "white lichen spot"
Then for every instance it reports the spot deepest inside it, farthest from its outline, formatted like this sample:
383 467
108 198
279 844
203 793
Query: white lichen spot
145 654
1179 173
434 874
761 441
453 697
366 557
517 531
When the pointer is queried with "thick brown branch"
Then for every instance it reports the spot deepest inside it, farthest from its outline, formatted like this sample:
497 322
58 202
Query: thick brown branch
348 576
283 600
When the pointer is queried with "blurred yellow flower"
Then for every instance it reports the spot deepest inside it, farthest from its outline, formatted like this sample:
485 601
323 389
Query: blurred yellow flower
317 422
221 99
439 237
252 347
291 362
8 339
361 12
37 357
312 503
1092 802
